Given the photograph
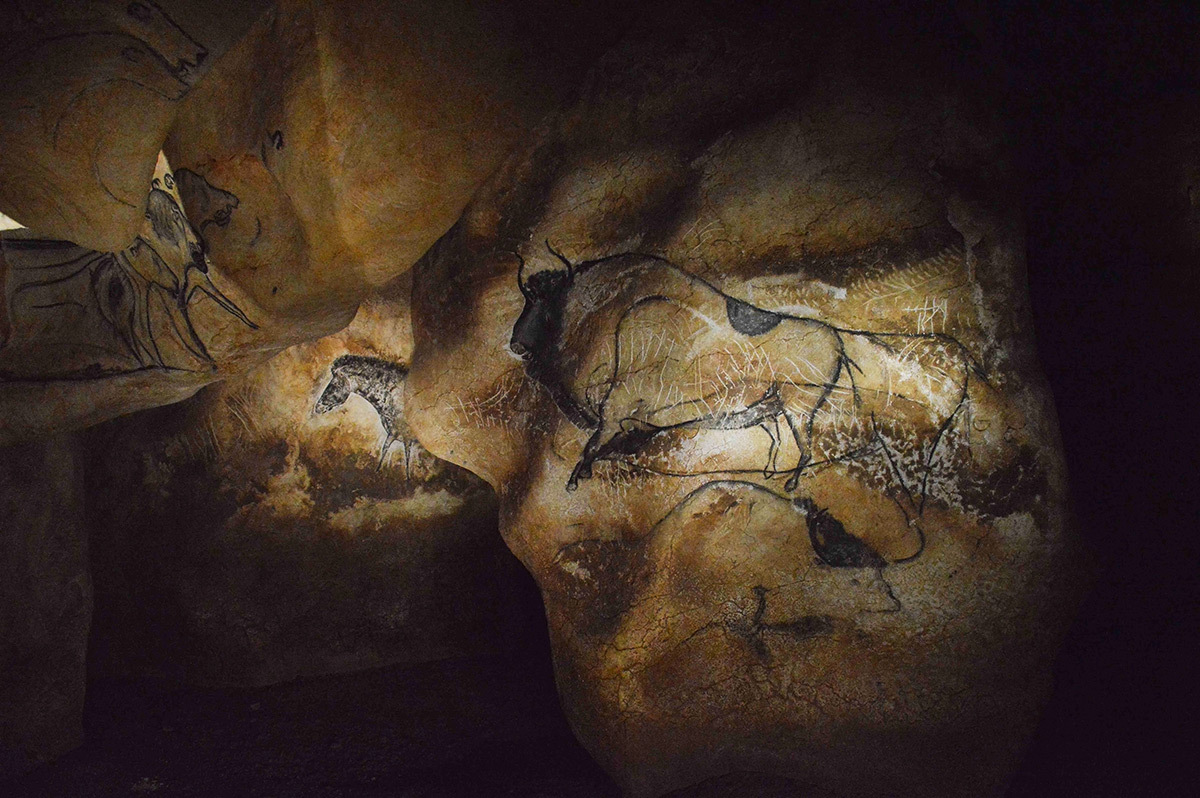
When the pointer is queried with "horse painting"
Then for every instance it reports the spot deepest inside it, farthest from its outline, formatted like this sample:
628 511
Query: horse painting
381 383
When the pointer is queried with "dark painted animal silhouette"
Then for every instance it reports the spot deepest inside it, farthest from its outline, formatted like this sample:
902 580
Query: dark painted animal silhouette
631 347
381 383
208 204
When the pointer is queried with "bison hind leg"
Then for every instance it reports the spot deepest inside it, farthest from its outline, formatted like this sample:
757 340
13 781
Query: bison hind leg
583 469
804 445
794 480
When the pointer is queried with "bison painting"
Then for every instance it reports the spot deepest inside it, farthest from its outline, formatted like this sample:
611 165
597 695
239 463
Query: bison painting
632 347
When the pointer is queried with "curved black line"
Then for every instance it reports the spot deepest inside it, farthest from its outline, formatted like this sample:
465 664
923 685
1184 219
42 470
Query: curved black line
87 253
888 453
100 178
36 243
89 88
53 281
59 305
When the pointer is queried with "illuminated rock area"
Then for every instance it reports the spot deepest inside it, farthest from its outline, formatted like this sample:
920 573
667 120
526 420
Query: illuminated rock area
203 185
748 363
325 326
285 523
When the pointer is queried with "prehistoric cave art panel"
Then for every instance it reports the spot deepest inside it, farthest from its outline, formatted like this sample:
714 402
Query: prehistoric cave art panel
747 359
142 35
90 92
73 313
275 514
669 376
737 488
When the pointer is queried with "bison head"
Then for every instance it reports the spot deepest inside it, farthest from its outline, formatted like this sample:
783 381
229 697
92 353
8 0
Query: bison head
540 321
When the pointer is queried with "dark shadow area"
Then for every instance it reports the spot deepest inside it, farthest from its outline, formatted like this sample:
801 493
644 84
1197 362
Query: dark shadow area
1107 105
485 726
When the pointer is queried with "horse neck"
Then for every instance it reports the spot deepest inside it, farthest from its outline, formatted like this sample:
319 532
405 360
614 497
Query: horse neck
379 391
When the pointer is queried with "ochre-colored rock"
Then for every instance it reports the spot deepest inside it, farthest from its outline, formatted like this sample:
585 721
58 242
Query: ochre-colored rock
742 342
285 523
317 158
90 90
739 336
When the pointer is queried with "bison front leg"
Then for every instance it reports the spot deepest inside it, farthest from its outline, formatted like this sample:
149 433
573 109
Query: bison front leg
629 438
591 450
770 467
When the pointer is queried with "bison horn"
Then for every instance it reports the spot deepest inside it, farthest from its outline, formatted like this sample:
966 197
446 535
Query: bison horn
521 275
563 258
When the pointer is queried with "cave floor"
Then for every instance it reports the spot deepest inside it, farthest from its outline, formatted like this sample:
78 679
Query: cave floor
466 727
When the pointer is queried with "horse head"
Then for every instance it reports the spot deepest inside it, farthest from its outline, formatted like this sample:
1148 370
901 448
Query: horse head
336 392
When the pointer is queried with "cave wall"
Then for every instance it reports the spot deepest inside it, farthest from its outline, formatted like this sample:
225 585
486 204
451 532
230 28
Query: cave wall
855 171
259 532
45 601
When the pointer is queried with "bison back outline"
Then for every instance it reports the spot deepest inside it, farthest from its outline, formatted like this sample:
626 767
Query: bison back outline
683 355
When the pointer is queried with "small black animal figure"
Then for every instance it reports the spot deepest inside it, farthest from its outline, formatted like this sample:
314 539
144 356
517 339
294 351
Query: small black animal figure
833 544
208 204
803 628
381 383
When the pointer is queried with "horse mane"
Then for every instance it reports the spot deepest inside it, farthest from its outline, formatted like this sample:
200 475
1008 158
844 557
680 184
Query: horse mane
365 366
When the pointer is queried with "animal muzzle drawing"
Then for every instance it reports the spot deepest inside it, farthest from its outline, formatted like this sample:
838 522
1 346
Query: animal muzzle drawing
527 333
334 395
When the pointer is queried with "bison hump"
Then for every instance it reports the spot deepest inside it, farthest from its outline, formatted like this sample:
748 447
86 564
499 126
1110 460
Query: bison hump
749 320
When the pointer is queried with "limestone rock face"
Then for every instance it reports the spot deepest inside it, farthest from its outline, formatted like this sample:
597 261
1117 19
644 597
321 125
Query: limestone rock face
285 523
742 342
45 603
90 90
323 152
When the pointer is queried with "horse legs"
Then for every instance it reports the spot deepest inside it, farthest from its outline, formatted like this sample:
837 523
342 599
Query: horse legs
387 444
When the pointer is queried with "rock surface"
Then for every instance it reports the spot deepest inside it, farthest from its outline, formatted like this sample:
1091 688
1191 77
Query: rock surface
284 523
317 158
740 339
45 603
743 344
